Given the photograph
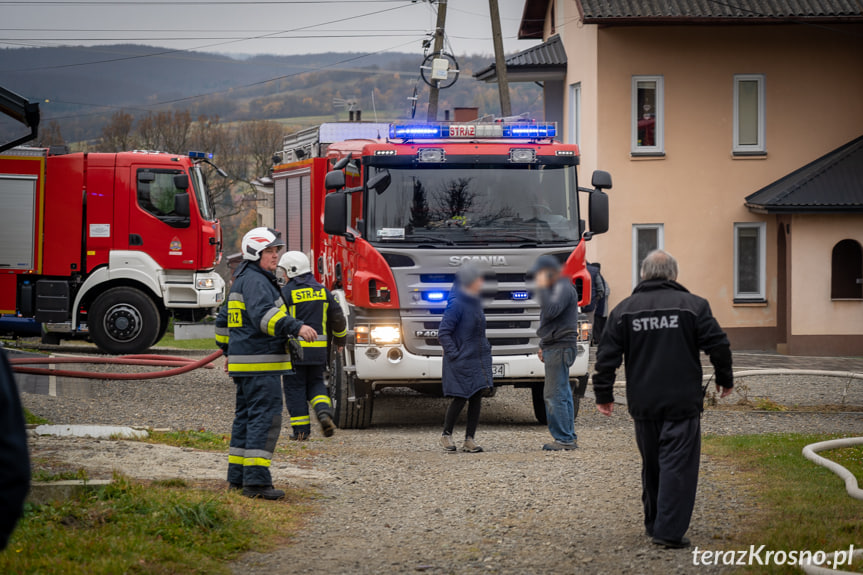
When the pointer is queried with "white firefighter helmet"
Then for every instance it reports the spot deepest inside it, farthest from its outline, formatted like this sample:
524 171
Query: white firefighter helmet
259 239
295 264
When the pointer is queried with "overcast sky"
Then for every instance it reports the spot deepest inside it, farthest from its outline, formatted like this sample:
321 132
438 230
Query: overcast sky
224 25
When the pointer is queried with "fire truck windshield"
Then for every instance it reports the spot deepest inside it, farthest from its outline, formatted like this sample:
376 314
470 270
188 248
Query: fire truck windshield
449 204
202 194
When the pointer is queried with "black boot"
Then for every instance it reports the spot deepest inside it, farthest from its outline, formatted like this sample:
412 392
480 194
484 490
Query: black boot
267 492
327 424
235 486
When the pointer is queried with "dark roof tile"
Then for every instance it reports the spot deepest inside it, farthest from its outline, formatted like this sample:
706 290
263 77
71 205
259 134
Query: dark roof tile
609 11
832 183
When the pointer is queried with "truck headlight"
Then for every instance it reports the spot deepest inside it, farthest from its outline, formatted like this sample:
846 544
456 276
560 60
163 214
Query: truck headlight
585 328
205 283
385 334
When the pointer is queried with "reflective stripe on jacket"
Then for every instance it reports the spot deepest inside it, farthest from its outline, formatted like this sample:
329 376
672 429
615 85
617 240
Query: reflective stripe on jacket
314 305
253 326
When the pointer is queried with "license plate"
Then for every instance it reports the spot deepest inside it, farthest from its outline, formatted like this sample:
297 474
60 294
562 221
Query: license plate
498 370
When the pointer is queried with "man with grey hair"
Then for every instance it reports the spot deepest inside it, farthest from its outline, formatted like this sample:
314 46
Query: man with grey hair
660 330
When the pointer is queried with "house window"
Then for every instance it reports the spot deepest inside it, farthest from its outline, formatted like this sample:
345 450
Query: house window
648 116
750 255
749 115
574 132
846 271
645 239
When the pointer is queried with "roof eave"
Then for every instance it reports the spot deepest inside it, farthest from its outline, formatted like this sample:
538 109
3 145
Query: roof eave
768 209
701 20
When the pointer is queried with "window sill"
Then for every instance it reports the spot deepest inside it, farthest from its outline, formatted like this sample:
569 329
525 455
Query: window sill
646 155
846 299
756 155
750 302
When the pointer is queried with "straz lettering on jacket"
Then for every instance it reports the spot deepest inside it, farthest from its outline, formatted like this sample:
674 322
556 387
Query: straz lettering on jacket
309 294
235 313
653 323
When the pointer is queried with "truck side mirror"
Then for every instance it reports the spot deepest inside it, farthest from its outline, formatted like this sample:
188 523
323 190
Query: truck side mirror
597 208
336 213
335 180
181 205
601 180
181 182
341 164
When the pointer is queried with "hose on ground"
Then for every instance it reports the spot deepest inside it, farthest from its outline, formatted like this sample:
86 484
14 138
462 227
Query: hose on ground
179 365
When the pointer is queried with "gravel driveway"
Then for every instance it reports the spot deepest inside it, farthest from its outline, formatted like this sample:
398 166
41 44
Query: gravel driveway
392 502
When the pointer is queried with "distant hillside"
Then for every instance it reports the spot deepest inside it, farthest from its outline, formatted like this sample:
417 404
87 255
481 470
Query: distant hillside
135 83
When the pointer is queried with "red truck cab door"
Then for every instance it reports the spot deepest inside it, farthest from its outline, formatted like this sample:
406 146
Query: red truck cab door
163 216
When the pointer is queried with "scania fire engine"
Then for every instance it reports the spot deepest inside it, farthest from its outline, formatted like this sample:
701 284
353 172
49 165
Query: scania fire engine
107 246
388 214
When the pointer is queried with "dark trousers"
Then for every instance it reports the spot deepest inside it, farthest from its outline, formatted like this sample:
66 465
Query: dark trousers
257 424
304 386
598 327
670 452
474 405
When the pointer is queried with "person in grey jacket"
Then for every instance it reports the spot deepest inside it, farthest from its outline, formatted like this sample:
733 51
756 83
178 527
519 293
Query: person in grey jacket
558 348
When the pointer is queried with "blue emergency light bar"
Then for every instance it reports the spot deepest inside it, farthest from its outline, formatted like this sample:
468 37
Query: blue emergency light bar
201 155
519 295
518 131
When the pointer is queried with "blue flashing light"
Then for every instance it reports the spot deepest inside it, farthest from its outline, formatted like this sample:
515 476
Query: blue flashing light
201 155
513 131
434 296
519 295
529 130
416 131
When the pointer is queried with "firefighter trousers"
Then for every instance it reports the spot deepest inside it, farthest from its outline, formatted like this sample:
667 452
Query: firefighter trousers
257 423
305 386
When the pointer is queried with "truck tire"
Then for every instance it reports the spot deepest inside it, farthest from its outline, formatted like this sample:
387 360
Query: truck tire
164 320
355 414
123 320
578 387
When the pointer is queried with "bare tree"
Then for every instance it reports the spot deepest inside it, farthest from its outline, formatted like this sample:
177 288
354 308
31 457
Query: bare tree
259 140
165 131
117 134
51 135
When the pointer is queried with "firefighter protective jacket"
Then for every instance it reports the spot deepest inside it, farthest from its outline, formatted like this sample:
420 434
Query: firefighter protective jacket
253 326
314 305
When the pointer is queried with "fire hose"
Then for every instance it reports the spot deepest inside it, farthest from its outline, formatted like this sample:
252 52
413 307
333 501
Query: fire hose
178 365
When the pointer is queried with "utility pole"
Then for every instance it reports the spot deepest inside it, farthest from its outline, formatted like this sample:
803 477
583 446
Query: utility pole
434 91
499 59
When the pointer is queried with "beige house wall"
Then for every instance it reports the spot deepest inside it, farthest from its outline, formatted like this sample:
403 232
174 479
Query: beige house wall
813 312
814 103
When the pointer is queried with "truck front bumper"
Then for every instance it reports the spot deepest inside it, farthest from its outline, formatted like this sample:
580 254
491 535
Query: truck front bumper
393 364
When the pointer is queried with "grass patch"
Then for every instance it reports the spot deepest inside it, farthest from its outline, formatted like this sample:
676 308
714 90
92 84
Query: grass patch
169 341
33 419
44 475
132 527
297 451
800 506
851 458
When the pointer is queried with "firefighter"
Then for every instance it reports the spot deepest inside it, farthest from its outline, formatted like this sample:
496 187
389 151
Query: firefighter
252 330
311 303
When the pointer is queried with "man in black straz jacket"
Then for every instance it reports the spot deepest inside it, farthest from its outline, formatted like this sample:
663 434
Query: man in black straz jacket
660 330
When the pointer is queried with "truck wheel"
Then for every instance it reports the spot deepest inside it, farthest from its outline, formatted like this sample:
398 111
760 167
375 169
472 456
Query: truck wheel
123 320
164 320
356 414
578 387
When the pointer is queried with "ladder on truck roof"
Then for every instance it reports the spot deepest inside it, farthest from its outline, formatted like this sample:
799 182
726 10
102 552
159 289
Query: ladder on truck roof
314 142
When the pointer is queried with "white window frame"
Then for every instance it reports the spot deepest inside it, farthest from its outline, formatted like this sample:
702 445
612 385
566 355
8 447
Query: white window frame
574 132
660 241
761 295
761 147
659 148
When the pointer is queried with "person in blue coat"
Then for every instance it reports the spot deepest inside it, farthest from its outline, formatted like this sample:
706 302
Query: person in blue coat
467 372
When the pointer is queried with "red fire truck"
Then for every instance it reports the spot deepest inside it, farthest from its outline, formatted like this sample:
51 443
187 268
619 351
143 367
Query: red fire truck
388 213
107 246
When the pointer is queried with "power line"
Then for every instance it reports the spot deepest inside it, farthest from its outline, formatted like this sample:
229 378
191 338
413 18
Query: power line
179 38
115 4
174 51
